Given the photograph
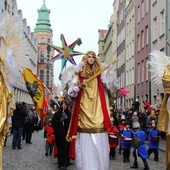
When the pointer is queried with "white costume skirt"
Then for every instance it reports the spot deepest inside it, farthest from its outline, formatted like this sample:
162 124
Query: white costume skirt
92 151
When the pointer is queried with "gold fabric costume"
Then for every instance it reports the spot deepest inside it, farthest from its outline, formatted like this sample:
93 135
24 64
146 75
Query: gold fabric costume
164 119
5 100
164 116
3 116
91 116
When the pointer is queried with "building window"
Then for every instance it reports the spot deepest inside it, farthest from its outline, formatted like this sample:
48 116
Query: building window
123 79
127 53
130 50
142 39
142 71
133 21
127 78
47 83
133 48
142 9
162 23
127 28
138 43
123 53
147 70
42 57
154 28
48 40
42 75
138 76
132 75
146 6
138 14
48 57
146 35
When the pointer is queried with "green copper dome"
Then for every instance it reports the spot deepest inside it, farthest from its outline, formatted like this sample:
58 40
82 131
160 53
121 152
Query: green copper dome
43 22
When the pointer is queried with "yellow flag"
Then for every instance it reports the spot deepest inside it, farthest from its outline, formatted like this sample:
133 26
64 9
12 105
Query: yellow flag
35 87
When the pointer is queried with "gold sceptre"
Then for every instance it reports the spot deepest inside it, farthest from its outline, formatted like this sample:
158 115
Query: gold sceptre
95 75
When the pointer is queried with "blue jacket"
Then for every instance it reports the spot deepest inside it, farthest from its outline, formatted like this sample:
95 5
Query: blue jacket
126 134
142 151
153 134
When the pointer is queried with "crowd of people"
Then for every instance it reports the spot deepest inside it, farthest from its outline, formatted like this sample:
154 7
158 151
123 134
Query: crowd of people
126 125
24 121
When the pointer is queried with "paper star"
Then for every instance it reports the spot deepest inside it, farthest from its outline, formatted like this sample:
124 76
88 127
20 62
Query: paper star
123 92
66 53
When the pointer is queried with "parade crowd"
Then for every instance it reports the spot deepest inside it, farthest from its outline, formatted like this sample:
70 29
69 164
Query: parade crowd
125 125
87 130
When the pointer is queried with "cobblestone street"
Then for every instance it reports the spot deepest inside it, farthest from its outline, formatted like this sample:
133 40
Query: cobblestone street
32 157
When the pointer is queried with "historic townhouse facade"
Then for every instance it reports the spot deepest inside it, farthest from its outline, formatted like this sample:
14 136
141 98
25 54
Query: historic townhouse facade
158 36
130 51
138 28
142 50
121 50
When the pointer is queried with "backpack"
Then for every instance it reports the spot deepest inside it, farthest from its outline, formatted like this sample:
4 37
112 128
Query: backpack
35 119
135 142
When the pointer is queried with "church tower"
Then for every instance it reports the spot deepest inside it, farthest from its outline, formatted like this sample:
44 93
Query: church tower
43 35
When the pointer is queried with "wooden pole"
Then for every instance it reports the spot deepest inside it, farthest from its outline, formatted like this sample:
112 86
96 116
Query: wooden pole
51 94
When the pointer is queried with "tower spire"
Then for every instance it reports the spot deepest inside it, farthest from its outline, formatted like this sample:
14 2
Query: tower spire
43 22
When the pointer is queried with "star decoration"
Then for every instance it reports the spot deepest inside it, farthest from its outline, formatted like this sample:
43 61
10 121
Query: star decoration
123 92
66 52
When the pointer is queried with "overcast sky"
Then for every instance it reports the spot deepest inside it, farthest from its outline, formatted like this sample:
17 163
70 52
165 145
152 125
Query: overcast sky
73 18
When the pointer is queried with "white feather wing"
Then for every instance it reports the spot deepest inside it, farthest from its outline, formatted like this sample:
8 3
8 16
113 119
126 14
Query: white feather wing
158 62
11 29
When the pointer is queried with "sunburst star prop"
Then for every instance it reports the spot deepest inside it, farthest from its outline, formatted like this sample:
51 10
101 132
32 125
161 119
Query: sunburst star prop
66 52
123 92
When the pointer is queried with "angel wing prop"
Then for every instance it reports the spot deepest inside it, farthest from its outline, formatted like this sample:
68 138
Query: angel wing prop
158 63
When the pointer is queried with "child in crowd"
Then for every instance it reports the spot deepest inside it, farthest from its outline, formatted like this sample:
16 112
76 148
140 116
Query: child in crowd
49 137
139 150
113 133
120 127
126 141
153 140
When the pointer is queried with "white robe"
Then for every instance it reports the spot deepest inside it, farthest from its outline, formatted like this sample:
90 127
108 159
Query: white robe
92 151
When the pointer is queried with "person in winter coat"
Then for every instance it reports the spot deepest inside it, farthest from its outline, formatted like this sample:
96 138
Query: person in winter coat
113 136
126 140
29 125
141 148
153 141
60 124
49 138
120 127
18 120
